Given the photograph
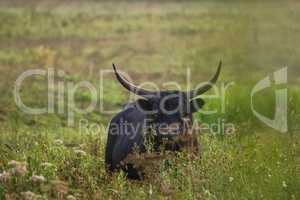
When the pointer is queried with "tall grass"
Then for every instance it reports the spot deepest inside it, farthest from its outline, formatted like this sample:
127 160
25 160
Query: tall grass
151 41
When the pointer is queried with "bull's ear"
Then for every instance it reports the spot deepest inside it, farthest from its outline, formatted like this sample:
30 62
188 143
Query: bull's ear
196 104
144 105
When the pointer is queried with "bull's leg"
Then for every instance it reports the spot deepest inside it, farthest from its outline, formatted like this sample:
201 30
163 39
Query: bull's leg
132 172
181 143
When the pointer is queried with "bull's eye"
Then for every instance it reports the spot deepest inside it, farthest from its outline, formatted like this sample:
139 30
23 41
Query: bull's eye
170 106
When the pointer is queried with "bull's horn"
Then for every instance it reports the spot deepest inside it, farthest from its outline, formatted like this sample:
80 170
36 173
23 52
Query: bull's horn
131 87
208 85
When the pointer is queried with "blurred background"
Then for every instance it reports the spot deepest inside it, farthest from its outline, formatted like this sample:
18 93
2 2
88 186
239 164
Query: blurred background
150 40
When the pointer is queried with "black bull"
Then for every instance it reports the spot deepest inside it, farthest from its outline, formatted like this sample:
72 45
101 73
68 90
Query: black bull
163 115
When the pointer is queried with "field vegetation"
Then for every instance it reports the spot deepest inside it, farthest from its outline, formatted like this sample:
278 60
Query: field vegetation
44 157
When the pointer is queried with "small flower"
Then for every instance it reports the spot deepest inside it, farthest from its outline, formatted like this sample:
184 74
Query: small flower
60 187
58 142
38 179
29 195
150 190
18 168
71 197
284 184
207 192
5 177
11 196
278 163
231 179
46 164
13 163
269 175
80 152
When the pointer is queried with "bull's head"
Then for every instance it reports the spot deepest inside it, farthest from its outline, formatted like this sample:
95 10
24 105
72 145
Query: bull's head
169 107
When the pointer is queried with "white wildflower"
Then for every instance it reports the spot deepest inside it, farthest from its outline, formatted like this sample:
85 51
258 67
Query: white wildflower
58 142
29 195
80 152
71 197
46 164
60 187
278 163
269 175
5 177
13 163
38 179
18 168
284 184
150 190
231 179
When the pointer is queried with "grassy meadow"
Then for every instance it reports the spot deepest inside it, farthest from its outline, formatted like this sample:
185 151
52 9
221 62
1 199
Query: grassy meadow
43 157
